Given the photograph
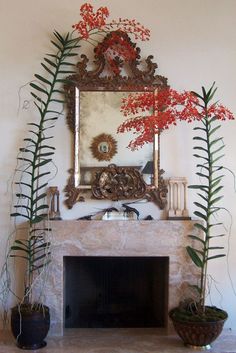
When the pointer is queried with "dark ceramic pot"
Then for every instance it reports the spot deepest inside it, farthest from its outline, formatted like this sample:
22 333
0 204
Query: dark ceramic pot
197 333
30 327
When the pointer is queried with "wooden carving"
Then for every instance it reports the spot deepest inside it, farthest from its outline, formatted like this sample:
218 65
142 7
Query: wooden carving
118 183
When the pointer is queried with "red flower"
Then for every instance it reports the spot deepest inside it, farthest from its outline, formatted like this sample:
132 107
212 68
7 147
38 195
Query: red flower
97 20
153 112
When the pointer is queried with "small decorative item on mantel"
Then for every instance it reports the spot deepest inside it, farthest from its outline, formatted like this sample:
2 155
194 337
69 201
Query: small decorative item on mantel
53 202
177 203
120 216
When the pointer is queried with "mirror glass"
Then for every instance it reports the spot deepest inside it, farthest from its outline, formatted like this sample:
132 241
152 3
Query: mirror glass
99 119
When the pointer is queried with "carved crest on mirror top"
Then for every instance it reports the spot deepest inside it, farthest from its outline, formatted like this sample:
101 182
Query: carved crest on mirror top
111 72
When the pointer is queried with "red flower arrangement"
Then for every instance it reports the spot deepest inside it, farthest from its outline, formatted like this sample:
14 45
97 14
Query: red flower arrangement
97 20
95 23
154 112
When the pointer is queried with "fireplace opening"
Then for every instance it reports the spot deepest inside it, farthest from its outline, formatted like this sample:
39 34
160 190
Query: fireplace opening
115 291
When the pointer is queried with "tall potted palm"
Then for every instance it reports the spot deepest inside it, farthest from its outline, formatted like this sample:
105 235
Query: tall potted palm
195 322
30 318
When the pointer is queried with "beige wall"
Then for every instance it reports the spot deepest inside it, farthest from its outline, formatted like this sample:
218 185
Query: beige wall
193 43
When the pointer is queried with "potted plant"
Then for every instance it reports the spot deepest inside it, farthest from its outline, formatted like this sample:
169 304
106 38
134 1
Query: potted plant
195 322
30 318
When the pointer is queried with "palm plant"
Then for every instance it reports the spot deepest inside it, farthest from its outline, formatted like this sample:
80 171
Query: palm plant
209 150
38 153
170 107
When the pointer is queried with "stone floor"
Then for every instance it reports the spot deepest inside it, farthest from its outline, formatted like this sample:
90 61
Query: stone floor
119 341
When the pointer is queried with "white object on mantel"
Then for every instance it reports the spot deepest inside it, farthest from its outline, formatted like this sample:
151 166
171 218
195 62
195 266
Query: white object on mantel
177 203
119 216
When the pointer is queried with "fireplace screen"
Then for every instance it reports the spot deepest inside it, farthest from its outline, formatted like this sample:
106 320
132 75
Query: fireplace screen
115 291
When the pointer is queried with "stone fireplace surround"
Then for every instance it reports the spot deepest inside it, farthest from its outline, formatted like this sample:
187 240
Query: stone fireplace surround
118 238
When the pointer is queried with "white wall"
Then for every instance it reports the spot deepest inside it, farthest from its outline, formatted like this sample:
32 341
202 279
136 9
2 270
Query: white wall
193 43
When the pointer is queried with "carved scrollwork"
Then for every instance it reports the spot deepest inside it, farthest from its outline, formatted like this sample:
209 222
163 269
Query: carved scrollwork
118 183
72 193
159 196
97 79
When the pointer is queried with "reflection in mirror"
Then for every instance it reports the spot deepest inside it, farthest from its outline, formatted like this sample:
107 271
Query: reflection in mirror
94 102
99 119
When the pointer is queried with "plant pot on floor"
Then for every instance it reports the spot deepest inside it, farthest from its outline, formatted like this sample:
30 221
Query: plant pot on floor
198 332
30 325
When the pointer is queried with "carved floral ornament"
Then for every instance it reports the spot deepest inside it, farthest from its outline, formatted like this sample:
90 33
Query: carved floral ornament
117 69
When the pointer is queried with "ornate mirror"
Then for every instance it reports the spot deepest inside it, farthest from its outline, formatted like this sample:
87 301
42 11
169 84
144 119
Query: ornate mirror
102 163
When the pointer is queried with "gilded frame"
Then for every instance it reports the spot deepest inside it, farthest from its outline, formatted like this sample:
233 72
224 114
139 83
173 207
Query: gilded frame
136 80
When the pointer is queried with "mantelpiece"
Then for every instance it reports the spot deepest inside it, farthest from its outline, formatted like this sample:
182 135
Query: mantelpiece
118 238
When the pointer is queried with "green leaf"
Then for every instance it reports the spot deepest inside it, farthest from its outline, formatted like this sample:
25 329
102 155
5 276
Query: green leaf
199 128
215 191
25 159
213 142
46 154
56 45
215 200
62 101
59 37
38 98
194 237
19 248
50 62
203 197
17 214
200 149
215 247
201 206
47 69
194 256
40 187
22 206
19 256
58 91
199 156
214 130
67 72
201 215
40 257
201 227
40 164
38 88
217 150
30 140
199 138
21 195
37 219
199 187
215 256
40 176
217 159
44 80
23 183
40 197
203 175
41 207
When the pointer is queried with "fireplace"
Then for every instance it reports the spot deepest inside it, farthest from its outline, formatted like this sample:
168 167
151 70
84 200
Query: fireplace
119 239
111 291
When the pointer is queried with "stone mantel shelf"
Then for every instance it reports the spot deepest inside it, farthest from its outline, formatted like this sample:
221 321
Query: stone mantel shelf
119 238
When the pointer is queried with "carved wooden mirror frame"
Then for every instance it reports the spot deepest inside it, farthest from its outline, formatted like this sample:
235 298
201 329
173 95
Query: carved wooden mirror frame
136 80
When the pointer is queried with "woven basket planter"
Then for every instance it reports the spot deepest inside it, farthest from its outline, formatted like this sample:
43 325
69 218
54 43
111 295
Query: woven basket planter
197 333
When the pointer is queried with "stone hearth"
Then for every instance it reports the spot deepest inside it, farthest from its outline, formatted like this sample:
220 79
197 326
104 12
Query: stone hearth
118 238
